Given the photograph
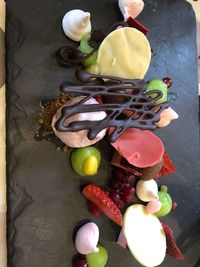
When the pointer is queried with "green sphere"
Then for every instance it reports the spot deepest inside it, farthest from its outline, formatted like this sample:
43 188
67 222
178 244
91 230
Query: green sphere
98 259
166 202
81 157
157 84
164 188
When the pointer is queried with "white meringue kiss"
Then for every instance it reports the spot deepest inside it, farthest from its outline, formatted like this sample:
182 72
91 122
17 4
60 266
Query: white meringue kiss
76 23
87 239
147 190
130 8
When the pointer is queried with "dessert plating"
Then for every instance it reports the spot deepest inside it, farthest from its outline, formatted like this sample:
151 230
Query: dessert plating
114 99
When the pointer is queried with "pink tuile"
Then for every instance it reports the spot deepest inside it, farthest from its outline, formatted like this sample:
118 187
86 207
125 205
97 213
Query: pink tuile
122 240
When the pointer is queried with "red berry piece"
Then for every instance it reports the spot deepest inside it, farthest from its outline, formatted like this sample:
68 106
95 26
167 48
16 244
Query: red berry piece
118 174
127 189
116 198
93 209
174 205
79 261
167 81
127 193
115 185
123 176
120 204
129 178
127 198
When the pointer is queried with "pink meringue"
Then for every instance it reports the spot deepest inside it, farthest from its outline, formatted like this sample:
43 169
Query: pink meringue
153 206
166 116
130 8
79 139
87 239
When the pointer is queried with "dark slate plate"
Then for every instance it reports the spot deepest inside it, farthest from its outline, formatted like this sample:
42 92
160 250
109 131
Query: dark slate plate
43 192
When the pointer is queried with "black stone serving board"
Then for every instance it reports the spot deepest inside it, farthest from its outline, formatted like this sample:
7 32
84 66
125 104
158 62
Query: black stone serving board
44 200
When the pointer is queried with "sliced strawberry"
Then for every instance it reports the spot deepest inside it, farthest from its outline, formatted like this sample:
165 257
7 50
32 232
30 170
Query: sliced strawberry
172 249
93 209
95 194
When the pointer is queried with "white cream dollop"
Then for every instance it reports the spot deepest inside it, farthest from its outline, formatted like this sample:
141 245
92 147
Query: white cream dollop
79 139
147 190
76 23
87 239
130 8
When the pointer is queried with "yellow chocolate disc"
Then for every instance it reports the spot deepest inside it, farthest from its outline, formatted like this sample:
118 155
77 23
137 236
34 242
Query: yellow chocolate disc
124 53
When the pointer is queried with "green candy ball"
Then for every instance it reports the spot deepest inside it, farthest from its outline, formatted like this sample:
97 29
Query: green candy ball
166 202
98 259
81 156
157 84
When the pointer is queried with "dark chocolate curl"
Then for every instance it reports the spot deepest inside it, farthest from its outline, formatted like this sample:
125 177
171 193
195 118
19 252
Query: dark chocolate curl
136 101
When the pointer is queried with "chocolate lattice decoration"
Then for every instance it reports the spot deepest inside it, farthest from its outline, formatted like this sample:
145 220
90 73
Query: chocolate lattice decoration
139 104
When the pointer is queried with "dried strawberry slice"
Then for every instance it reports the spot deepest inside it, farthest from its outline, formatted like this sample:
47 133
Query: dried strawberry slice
168 230
168 166
172 249
136 24
95 194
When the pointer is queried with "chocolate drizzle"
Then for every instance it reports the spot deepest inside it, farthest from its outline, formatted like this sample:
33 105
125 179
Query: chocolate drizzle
139 104
70 55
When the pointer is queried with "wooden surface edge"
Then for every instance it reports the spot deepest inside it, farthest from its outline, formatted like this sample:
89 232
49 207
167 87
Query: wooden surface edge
3 202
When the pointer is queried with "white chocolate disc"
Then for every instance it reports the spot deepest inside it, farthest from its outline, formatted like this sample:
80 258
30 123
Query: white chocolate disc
144 235
124 53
